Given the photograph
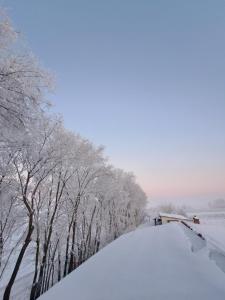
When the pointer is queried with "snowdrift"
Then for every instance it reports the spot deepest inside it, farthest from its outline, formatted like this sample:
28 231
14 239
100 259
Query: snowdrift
163 262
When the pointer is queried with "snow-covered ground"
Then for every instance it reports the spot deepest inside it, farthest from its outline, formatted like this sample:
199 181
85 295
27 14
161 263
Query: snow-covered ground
23 282
214 231
162 262
212 228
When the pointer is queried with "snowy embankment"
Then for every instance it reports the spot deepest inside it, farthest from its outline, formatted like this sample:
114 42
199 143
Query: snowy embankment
160 262
212 228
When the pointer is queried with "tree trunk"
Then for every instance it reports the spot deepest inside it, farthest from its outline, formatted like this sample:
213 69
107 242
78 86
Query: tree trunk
33 289
18 262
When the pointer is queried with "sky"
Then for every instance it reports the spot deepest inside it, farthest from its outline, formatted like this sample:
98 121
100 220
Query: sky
144 78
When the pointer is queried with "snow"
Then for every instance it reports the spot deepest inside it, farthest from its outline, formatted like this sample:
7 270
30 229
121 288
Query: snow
159 262
23 282
213 229
173 216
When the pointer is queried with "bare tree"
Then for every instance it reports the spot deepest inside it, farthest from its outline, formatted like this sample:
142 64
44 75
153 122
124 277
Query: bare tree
56 188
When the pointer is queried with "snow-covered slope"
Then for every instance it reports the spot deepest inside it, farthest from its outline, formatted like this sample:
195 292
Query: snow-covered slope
213 229
149 263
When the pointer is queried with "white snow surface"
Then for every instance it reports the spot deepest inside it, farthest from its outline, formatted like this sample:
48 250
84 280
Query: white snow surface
213 229
162 262
173 216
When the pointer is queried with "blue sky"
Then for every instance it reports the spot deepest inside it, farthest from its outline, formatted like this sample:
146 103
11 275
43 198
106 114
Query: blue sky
144 78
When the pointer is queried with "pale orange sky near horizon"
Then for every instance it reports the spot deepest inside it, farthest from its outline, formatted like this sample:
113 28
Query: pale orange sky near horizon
178 180
184 184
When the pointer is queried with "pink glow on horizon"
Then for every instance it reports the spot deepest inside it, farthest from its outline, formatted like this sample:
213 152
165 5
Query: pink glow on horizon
183 184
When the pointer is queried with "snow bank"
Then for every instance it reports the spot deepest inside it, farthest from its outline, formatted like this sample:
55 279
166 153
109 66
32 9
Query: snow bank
149 263
212 227
213 230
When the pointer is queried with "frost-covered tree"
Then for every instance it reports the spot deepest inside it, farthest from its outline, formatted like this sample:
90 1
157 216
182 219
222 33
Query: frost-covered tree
22 86
59 197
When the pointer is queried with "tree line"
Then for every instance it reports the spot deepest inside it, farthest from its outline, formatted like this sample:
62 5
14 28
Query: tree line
60 200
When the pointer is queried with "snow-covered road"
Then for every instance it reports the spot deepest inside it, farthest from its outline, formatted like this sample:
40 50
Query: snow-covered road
149 263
